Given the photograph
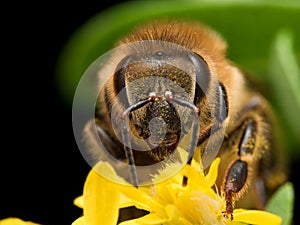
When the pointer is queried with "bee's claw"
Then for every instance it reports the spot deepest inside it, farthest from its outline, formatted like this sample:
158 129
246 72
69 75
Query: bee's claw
227 214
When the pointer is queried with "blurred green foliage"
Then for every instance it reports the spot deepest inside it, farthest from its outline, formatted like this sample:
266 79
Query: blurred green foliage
283 81
253 30
282 202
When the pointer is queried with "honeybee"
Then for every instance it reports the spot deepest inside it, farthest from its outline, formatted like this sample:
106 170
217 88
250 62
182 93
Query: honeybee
175 80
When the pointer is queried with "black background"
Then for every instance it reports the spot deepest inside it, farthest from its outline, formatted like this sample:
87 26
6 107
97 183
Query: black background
42 170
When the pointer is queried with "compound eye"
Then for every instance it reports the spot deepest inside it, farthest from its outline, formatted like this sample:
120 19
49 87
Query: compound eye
203 76
119 75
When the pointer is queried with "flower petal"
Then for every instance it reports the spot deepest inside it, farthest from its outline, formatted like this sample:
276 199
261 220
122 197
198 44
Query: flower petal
79 201
150 219
15 221
175 216
184 221
100 197
79 221
198 207
141 199
198 182
256 217
212 175
125 201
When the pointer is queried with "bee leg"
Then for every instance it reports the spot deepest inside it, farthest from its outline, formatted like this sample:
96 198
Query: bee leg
93 131
110 145
128 152
234 182
192 148
252 144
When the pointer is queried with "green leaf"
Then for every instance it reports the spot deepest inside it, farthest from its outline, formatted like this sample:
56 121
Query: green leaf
284 77
282 202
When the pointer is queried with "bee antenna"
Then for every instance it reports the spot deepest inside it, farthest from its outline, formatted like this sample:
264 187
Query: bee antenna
171 98
125 137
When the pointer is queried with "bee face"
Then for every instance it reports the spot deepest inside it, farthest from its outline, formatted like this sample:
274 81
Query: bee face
173 81
171 70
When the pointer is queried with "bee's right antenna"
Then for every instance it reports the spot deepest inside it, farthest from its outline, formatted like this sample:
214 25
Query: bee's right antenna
169 96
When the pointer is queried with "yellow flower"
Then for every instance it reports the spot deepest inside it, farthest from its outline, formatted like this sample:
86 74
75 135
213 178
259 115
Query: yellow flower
15 221
167 202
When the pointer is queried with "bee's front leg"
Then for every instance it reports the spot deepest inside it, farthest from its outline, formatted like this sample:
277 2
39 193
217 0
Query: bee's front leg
100 145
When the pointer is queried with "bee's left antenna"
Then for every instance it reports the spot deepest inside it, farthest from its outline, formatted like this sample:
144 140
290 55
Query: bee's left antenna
125 137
